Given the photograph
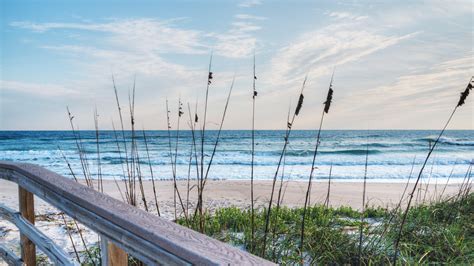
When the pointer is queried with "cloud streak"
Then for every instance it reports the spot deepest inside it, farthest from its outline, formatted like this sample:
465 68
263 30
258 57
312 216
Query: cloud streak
250 3
318 52
43 90
346 16
145 34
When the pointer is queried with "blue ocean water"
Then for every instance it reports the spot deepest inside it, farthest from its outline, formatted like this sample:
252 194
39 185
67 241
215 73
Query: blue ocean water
391 153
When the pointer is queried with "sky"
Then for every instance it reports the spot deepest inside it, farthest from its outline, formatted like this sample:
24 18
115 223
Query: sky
396 64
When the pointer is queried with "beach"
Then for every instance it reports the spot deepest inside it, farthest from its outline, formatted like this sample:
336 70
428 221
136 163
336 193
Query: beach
218 194
225 193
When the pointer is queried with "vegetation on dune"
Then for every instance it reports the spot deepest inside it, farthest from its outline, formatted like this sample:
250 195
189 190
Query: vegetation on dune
439 231
433 233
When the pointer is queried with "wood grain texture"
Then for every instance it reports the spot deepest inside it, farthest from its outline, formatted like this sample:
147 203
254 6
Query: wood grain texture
116 256
27 210
150 238
53 251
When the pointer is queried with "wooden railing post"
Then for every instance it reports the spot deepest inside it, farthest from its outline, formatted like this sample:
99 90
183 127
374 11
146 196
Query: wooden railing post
117 257
112 255
27 210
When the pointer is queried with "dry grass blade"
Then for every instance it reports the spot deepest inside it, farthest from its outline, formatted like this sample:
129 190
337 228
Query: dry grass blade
193 124
252 207
214 149
173 168
151 173
81 151
68 231
124 177
285 145
308 190
129 183
97 135
328 194
461 102
362 214
203 132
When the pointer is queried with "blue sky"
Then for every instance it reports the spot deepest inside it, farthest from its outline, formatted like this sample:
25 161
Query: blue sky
399 64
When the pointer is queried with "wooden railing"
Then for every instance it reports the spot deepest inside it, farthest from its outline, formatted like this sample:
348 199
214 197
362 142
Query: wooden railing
123 229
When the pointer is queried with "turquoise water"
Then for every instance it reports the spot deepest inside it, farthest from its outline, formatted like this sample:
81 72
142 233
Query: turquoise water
391 153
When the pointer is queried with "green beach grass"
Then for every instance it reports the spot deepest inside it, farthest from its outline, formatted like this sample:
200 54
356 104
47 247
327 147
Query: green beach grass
441 232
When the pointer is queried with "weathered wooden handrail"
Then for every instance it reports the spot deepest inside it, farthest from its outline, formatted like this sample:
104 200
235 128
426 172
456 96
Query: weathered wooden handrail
9 256
149 238
55 253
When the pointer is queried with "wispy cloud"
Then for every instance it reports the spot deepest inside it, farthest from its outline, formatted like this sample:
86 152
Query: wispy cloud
249 17
432 88
144 34
318 52
152 37
44 90
250 3
412 98
346 16
239 41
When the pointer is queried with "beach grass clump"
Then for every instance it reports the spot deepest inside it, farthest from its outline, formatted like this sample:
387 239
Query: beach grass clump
461 101
440 232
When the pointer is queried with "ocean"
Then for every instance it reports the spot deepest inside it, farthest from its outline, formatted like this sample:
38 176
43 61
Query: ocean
391 153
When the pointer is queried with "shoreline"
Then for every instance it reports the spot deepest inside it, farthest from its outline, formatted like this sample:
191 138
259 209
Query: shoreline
439 180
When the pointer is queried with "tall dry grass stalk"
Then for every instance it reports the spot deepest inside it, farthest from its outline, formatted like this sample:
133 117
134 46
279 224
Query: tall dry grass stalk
461 102
279 198
218 137
81 152
124 175
429 179
68 231
173 168
252 202
87 177
97 136
129 188
188 181
203 177
287 136
362 214
151 173
67 163
447 182
193 124
466 183
199 206
180 112
193 151
135 156
328 194
327 105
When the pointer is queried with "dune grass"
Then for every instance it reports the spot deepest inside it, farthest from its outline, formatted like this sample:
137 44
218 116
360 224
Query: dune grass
433 233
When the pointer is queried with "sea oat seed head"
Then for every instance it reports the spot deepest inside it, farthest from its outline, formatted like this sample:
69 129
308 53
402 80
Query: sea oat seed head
465 93
300 104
